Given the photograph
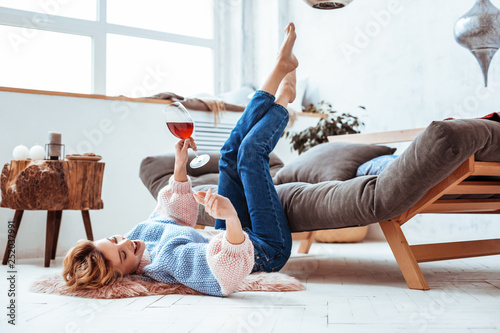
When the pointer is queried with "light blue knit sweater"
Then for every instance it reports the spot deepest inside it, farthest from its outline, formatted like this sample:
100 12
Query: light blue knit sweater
179 254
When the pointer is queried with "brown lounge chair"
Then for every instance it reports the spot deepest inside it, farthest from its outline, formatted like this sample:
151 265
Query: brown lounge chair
409 256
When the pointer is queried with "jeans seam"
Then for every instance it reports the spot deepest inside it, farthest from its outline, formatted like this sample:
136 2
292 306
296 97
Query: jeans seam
282 240
282 107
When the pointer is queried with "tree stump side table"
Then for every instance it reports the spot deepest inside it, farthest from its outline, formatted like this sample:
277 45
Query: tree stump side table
53 186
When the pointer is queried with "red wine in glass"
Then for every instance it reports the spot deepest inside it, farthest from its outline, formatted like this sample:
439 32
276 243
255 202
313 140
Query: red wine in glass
181 124
181 130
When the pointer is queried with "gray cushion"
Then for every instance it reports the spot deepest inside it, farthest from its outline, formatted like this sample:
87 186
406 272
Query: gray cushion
329 161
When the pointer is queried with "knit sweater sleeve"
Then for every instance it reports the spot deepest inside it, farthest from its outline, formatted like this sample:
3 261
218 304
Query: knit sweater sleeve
176 201
230 263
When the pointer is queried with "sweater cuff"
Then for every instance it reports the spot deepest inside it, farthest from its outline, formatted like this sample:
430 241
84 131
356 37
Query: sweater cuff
234 249
180 187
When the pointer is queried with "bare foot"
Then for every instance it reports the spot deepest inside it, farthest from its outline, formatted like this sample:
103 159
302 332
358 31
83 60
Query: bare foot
286 58
287 90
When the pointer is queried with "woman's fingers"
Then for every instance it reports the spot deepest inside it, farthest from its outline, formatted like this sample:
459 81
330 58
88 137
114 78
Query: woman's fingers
208 195
215 207
193 144
185 145
200 197
211 201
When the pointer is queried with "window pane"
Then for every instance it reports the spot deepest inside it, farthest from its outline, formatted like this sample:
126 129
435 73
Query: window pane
37 59
190 18
85 10
139 67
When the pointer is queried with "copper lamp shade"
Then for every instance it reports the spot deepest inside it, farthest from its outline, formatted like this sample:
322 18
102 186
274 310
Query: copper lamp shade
328 4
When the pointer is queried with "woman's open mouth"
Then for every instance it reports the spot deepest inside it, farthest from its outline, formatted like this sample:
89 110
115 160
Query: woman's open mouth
137 246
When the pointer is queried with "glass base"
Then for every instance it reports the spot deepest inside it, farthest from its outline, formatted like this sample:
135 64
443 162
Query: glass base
199 161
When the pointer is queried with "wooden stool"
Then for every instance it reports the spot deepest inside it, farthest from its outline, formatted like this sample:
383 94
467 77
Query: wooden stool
53 186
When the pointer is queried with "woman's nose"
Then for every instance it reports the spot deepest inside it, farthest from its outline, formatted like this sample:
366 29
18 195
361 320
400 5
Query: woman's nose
124 240
128 243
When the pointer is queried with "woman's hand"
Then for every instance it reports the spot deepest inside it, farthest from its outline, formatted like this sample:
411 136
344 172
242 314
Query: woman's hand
220 207
181 151
217 206
181 158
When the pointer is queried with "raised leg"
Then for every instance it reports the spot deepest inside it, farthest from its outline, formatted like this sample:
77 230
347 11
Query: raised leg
86 223
57 227
11 237
268 219
49 238
404 255
229 182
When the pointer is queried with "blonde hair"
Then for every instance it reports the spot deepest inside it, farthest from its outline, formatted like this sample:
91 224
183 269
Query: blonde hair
85 267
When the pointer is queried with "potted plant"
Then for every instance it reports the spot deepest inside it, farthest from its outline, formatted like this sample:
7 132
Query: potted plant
331 122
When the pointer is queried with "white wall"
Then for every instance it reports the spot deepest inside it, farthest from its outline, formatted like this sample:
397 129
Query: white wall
409 73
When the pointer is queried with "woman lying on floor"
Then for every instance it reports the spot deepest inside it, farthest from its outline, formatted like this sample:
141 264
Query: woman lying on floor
254 234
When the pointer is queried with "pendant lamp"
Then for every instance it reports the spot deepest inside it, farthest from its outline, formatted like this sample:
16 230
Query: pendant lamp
478 30
326 4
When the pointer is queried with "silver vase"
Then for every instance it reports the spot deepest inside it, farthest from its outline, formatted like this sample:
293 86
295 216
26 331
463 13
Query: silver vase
479 31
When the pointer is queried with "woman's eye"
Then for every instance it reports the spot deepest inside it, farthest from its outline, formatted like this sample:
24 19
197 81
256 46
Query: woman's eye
124 255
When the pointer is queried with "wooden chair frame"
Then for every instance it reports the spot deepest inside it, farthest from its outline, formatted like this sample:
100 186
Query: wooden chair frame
409 256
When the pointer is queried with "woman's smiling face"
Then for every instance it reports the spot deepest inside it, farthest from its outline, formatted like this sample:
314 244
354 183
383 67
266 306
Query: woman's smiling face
124 254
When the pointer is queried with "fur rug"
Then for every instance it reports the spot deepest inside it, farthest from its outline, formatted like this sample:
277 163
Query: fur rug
133 287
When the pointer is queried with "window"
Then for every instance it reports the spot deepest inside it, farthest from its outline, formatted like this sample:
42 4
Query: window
190 18
86 10
139 67
110 47
35 64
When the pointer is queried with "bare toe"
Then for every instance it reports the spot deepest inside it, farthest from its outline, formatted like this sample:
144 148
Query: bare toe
286 56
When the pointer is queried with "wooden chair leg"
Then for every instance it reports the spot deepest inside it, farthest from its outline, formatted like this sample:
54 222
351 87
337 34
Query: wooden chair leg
57 227
17 222
404 255
86 223
49 238
305 244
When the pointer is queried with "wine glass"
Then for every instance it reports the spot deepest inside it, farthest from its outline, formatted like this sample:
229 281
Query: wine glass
180 124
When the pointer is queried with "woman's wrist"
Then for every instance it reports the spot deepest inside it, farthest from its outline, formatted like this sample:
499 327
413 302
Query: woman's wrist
180 174
234 231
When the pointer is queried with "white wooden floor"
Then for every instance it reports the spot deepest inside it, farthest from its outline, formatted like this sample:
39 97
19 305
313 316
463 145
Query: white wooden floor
350 288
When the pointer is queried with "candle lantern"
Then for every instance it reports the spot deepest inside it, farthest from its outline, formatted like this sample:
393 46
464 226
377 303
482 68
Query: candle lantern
54 149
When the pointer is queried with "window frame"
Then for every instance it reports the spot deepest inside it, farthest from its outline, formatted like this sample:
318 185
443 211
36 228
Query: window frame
97 30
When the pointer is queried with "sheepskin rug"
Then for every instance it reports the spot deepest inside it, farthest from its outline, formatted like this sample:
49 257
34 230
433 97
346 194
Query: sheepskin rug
133 287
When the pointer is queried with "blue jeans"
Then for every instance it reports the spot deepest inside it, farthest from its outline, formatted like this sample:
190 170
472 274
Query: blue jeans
245 179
